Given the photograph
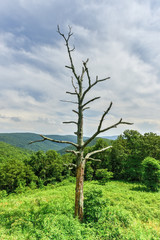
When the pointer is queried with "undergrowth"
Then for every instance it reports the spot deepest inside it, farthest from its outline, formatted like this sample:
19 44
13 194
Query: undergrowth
128 213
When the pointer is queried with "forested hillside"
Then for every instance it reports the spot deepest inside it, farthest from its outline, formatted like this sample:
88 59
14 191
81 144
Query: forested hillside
22 140
8 152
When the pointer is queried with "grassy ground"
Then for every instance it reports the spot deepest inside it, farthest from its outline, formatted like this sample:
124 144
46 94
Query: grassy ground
130 213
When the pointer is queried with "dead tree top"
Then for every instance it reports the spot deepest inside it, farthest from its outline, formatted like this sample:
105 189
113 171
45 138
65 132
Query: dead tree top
80 93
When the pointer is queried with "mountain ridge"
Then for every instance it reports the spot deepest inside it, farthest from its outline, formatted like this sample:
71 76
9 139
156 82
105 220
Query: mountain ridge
22 140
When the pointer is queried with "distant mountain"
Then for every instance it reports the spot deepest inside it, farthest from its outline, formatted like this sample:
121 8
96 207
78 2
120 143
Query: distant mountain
110 137
22 140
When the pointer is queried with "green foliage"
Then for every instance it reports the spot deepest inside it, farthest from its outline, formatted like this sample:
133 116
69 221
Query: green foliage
93 205
152 145
103 175
47 166
3 194
14 174
8 151
151 173
92 166
67 159
128 152
88 171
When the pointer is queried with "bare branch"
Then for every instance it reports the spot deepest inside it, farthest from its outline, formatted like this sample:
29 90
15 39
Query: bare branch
99 130
68 67
68 49
87 72
69 33
70 165
96 160
71 122
86 108
53 140
115 125
103 116
93 99
72 93
82 74
101 80
75 89
75 111
68 101
93 84
72 151
96 151
71 50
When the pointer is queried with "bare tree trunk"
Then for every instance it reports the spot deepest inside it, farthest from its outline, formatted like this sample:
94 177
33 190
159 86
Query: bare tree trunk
79 191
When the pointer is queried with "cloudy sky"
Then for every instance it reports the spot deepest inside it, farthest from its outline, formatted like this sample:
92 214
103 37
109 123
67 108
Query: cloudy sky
121 38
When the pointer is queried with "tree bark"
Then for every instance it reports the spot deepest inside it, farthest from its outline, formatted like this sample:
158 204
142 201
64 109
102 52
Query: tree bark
79 191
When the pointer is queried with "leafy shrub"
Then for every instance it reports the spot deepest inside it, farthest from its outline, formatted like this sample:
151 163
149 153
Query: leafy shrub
15 173
88 172
93 205
3 194
151 173
103 175
48 167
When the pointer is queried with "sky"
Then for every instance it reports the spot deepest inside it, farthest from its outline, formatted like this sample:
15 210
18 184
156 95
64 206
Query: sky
121 38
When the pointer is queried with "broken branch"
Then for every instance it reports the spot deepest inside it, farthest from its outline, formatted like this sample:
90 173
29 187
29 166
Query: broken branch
70 122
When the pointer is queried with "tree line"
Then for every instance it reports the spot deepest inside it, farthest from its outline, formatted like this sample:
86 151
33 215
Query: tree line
133 157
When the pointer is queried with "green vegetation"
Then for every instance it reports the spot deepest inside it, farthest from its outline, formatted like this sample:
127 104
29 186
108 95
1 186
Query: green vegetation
151 173
121 162
37 192
128 152
8 151
15 174
22 140
48 167
129 212
103 175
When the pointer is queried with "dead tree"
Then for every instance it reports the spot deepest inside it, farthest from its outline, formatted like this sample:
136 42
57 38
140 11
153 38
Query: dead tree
80 93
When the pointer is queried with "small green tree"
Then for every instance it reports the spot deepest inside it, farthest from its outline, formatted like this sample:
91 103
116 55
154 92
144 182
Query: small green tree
103 175
93 205
151 173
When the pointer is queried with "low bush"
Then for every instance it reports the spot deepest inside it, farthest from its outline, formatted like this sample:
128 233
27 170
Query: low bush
93 205
103 175
151 173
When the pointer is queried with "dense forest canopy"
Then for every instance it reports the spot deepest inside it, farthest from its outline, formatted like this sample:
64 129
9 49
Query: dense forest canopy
20 167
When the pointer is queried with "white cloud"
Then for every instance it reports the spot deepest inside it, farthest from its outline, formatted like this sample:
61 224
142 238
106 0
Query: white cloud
121 39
